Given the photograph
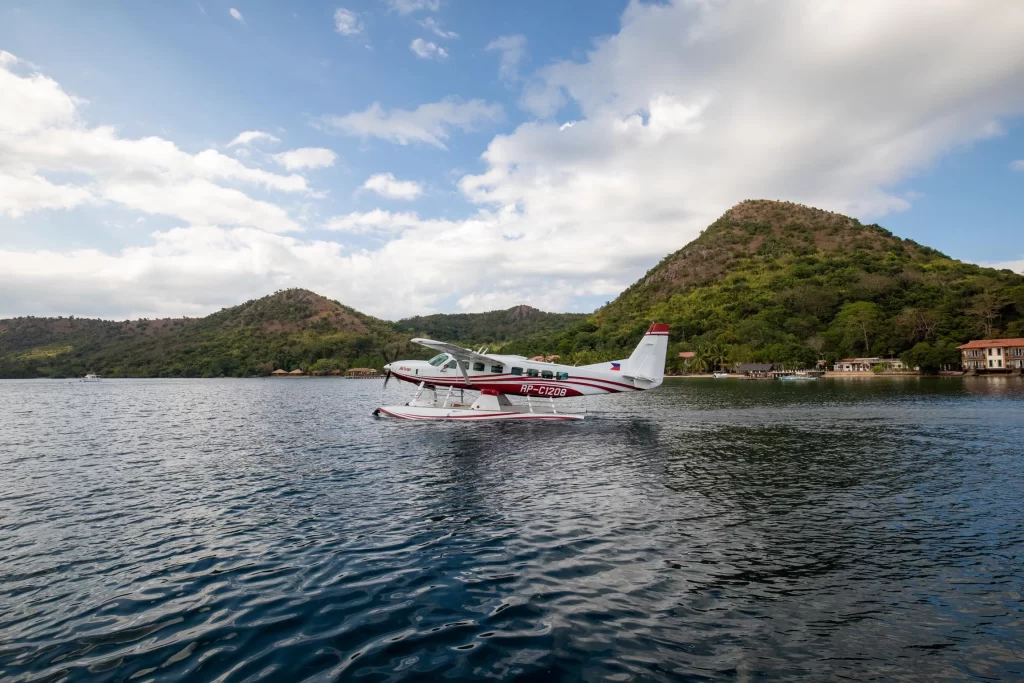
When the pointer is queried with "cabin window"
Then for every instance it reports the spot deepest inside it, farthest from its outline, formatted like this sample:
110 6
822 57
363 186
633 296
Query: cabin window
465 364
517 371
438 359
497 368
451 364
478 367
561 375
547 374
532 372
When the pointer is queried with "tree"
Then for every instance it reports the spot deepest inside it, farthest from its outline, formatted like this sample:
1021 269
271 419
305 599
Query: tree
986 308
917 324
718 354
857 321
699 362
923 357
930 359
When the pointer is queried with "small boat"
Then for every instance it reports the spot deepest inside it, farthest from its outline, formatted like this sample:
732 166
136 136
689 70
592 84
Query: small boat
91 378
720 375
798 378
490 405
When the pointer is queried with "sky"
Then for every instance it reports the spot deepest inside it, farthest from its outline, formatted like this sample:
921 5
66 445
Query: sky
414 156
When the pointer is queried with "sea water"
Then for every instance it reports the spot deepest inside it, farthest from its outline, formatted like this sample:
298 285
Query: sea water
273 529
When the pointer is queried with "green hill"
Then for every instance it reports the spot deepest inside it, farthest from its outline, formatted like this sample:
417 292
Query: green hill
768 281
289 329
493 327
776 281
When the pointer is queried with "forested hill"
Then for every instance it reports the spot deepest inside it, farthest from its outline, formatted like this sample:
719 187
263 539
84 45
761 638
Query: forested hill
290 329
768 281
486 328
777 281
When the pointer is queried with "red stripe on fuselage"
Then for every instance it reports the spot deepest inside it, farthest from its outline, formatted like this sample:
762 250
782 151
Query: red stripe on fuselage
513 386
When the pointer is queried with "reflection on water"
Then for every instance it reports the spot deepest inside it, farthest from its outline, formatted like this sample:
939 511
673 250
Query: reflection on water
240 529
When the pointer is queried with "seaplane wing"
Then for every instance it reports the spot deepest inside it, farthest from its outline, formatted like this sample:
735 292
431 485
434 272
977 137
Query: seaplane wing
456 352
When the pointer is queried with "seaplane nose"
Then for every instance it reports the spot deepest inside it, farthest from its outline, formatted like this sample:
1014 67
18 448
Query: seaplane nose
388 367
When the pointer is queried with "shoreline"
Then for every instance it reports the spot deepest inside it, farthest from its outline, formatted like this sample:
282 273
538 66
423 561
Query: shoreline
862 376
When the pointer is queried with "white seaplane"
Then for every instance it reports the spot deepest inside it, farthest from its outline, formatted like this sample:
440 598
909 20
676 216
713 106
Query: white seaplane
496 377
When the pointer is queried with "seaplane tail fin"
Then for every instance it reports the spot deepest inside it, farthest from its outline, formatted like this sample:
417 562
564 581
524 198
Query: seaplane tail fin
646 365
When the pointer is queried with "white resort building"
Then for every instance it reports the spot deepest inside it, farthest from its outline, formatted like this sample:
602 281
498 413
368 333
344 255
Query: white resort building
866 364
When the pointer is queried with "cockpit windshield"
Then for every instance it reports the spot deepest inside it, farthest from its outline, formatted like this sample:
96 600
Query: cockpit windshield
439 359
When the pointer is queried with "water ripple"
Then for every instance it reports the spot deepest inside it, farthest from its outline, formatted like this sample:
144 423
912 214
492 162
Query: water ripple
242 530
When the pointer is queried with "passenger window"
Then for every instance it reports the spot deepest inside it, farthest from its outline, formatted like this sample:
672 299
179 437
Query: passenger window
465 364
497 368
547 374
517 371
478 367
532 372
451 364
562 375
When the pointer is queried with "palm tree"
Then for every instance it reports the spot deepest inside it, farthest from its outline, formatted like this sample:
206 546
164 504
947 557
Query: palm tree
714 354
699 362
718 354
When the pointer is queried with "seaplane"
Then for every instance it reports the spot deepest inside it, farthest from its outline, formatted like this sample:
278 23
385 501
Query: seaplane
442 381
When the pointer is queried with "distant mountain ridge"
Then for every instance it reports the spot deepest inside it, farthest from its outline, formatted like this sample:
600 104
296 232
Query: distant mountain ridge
493 326
292 328
768 281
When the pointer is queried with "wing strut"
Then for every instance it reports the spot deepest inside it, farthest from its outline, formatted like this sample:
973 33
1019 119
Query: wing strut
464 373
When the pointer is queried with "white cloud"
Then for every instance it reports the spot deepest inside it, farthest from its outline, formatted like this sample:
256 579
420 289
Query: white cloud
1017 165
378 220
41 135
688 109
513 49
27 192
409 6
250 136
346 22
305 157
428 123
434 26
386 185
185 271
236 15
1016 266
424 49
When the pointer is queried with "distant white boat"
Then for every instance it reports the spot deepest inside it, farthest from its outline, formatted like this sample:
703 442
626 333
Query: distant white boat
720 375
91 378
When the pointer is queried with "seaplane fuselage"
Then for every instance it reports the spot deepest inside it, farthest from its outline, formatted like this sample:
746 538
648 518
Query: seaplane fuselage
518 375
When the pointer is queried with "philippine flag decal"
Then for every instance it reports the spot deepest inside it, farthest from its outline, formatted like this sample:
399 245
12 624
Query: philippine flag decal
616 368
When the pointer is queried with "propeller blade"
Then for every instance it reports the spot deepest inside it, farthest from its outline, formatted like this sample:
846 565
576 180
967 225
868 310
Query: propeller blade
386 378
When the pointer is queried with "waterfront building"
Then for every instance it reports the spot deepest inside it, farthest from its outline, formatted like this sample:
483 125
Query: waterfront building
754 369
993 355
867 364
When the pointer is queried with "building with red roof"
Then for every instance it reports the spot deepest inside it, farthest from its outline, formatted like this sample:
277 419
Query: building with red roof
993 355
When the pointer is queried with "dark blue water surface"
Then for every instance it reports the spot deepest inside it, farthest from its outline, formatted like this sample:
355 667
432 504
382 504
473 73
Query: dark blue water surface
236 530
